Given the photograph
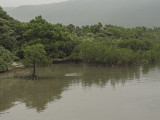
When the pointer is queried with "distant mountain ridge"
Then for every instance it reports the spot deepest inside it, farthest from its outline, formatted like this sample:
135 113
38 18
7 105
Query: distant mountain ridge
127 13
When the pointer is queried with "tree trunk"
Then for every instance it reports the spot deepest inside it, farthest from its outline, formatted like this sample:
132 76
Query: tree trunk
34 70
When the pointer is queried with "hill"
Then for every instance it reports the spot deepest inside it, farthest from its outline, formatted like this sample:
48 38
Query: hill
127 13
9 31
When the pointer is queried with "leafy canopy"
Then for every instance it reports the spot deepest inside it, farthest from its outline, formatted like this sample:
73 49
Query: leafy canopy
35 54
6 59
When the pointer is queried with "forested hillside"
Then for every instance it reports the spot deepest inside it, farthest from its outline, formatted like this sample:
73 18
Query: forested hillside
126 13
93 44
9 38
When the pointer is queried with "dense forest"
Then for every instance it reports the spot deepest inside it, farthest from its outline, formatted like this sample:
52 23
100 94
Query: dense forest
94 44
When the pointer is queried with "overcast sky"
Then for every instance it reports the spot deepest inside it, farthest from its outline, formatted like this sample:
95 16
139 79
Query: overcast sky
15 3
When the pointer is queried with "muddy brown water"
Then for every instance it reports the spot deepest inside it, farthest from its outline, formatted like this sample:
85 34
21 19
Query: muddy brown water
80 92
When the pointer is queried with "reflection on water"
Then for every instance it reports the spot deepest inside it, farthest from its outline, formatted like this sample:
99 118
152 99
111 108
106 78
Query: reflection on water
59 78
73 74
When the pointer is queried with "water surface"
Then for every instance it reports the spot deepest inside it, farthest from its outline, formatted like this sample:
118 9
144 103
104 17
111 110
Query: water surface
80 92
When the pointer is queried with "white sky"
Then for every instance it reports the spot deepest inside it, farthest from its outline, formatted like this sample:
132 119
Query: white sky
15 3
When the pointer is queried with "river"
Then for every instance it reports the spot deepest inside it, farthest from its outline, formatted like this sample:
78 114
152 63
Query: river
81 92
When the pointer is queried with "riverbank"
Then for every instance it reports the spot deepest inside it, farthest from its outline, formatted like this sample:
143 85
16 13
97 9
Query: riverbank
19 65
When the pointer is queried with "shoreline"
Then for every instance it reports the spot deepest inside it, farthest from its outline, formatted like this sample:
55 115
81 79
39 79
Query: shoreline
18 65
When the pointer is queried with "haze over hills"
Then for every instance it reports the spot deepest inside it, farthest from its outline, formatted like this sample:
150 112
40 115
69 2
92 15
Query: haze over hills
127 13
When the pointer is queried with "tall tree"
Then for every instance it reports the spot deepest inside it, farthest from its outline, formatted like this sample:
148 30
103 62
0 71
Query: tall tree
35 56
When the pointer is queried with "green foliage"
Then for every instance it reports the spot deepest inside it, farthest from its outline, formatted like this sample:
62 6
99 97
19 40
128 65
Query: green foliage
35 54
135 44
7 38
6 59
55 38
10 31
93 52
100 44
4 15
113 45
